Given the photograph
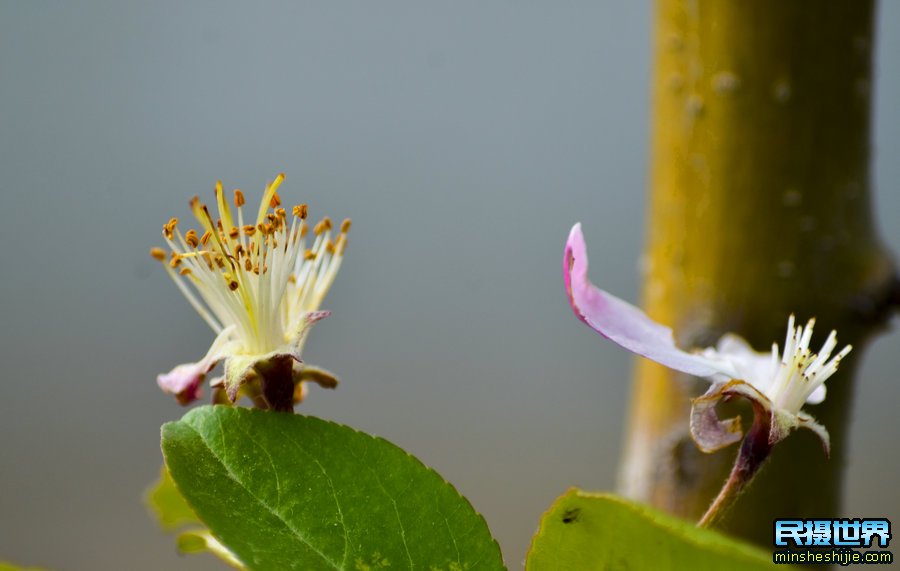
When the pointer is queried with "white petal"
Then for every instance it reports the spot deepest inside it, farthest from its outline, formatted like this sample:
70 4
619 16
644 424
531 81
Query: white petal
817 396
751 366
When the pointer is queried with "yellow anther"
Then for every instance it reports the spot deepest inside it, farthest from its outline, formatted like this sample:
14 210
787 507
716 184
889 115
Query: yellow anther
175 261
292 278
329 247
239 198
301 211
309 255
185 271
304 229
169 228
220 261
234 233
158 254
326 222
248 265
191 238
205 238
276 201
249 230
345 225
281 214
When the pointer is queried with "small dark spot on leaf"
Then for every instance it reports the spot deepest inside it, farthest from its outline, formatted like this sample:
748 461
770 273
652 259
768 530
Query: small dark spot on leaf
571 515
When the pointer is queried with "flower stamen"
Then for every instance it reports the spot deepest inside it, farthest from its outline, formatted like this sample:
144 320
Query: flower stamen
801 371
261 277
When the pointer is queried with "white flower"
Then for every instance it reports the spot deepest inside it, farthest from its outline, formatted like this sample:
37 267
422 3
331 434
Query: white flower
777 384
259 288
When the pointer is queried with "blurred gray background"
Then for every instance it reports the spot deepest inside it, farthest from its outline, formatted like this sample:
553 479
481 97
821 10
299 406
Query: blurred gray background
463 139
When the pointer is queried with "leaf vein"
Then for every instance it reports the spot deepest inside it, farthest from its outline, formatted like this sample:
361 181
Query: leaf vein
396 512
337 503
259 500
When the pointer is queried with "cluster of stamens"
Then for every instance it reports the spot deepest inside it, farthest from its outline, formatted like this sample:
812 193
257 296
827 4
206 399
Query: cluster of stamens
260 277
799 371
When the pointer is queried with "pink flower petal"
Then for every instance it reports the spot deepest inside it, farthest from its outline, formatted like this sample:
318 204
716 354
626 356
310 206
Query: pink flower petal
184 381
623 323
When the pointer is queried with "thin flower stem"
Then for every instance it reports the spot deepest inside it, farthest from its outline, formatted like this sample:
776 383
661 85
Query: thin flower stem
754 452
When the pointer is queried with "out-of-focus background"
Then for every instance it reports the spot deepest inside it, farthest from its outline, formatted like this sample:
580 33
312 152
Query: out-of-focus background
463 139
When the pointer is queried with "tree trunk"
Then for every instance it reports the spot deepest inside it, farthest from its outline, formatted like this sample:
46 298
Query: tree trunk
759 207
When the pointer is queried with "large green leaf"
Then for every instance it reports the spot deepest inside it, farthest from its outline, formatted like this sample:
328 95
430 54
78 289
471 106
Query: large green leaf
284 491
588 532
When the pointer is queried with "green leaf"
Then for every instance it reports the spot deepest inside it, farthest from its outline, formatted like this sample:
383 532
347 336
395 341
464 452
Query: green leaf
167 504
10 567
285 491
172 513
584 531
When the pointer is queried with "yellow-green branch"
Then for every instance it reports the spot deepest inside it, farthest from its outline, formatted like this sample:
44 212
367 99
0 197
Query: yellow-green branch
759 207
